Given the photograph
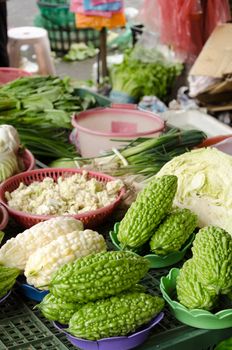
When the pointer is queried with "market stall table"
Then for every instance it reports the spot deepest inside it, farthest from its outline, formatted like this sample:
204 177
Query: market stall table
22 326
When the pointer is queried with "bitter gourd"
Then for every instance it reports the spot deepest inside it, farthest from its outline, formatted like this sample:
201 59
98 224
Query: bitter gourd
114 316
98 276
190 292
57 309
145 214
8 277
173 232
212 252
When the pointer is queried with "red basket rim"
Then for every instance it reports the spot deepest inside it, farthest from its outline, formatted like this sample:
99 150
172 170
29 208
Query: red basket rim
27 153
5 217
62 170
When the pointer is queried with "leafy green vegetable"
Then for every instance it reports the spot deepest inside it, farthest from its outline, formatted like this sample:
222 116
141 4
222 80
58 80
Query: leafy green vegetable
40 108
204 185
137 79
79 52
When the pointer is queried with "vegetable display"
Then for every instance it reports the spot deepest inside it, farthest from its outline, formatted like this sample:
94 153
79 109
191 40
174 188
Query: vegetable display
204 185
98 276
209 272
175 229
16 251
136 78
40 109
8 277
74 194
46 260
145 214
115 316
98 296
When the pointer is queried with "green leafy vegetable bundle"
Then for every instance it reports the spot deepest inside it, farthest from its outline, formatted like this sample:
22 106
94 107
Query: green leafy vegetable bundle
136 78
40 108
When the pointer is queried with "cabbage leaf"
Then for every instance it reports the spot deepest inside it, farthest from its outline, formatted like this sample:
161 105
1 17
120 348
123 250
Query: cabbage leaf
204 185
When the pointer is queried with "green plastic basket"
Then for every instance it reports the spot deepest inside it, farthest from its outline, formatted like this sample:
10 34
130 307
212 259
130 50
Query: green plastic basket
56 18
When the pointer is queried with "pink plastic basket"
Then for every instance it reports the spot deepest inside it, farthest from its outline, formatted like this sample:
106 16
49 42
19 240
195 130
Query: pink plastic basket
9 74
4 217
28 160
90 219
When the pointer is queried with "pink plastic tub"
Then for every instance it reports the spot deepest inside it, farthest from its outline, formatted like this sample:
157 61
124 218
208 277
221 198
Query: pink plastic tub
95 128
9 74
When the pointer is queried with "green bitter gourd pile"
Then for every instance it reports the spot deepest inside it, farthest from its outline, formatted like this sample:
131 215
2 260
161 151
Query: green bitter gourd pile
208 274
100 288
152 219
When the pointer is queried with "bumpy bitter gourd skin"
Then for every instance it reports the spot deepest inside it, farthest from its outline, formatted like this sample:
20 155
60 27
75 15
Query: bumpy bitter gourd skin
212 252
114 316
190 292
98 276
173 232
145 214
56 309
8 277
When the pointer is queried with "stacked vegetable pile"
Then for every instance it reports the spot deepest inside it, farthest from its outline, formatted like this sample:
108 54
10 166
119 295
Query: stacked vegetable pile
208 274
42 249
152 219
40 109
136 78
10 161
98 297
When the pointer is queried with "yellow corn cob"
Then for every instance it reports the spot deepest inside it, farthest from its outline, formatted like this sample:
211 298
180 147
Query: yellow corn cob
46 260
16 251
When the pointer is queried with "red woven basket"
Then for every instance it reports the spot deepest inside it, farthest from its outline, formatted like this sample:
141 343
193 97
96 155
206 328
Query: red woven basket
90 219
28 160
9 74
4 217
